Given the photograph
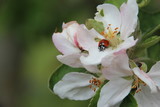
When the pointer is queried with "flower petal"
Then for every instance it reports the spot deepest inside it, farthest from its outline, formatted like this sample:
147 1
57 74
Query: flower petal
119 66
155 68
65 25
129 12
154 73
74 86
86 38
114 92
71 60
92 68
145 98
145 78
128 43
94 58
66 47
111 16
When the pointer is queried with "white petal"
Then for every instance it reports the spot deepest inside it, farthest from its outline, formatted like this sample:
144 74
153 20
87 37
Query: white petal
114 92
129 12
119 67
144 77
86 38
71 60
92 68
145 98
65 25
128 43
111 15
63 44
154 73
155 68
95 56
74 86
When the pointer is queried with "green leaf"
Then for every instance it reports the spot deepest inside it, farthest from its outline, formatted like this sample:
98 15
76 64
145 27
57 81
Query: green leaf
94 100
117 3
143 3
151 32
148 21
154 52
141 49
60 72
98 26
129 101
152 7
149 42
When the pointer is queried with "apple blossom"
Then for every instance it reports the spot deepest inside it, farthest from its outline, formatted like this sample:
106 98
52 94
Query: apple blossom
78 86
124 79
119 25
66 42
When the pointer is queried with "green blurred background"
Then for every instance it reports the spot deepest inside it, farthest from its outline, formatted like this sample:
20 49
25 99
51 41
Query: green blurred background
27 54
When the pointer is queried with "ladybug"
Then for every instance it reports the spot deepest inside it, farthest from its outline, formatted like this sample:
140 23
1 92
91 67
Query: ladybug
103 44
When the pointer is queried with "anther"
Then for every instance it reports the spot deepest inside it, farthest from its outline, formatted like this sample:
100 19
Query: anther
116 28
115 32
138 90
134 86
102 33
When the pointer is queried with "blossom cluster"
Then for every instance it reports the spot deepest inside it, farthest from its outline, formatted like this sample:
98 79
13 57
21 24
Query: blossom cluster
104 55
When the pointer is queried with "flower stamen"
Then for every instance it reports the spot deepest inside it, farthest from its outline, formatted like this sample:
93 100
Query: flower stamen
95 83
136 84
112 36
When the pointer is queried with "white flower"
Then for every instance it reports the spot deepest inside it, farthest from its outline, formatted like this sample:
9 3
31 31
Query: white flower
77 86
123 80
118 28
66 42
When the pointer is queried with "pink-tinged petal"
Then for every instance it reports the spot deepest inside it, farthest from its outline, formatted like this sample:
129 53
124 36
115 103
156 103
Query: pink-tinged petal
117 67
129 12
145 98
154 73
145 78
72 60
65 25
114 92
63 44
111 16
74 86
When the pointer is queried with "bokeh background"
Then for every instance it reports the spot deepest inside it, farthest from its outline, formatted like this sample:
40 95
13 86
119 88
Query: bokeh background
27 54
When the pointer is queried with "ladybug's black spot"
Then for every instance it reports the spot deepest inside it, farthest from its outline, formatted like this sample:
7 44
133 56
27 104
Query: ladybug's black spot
102 47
